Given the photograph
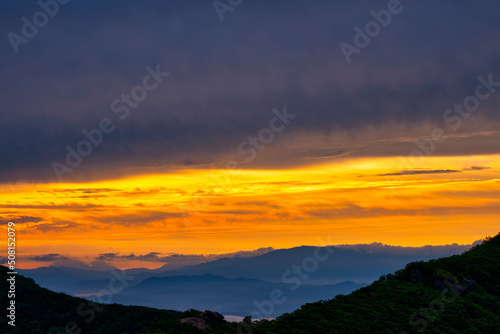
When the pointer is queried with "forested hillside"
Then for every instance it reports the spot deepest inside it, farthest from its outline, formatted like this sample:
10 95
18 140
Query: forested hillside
458 294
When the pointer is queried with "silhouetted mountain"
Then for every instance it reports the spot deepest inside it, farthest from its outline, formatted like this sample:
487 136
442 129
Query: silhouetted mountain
358 263
68 279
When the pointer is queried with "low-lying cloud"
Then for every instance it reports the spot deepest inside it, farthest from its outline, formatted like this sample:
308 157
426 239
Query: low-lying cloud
182 259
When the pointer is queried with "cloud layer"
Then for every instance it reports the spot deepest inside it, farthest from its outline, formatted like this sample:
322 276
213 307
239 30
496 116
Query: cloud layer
226 77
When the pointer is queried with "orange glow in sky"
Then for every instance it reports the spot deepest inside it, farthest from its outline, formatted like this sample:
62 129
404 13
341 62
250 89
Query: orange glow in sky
219 211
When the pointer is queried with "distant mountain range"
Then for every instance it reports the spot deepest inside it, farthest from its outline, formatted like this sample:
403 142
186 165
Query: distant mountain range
358 263
457 294
231 285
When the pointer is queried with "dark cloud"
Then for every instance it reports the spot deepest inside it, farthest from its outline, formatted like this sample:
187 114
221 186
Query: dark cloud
256 203
153 256
477 168
69 206
419 172
47 257
77 190
19 219
236 212
225 78
327 155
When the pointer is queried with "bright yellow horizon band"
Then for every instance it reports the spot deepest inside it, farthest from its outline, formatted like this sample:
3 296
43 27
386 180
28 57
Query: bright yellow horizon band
218 211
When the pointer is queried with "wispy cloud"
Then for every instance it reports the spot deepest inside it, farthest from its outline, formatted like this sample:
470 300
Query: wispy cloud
325 155
355 211
421 172
55 226
139 218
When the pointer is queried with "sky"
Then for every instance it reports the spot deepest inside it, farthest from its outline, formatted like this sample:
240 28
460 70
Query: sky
213 127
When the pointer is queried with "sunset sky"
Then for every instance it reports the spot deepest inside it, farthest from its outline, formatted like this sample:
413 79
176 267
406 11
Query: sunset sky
261 135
